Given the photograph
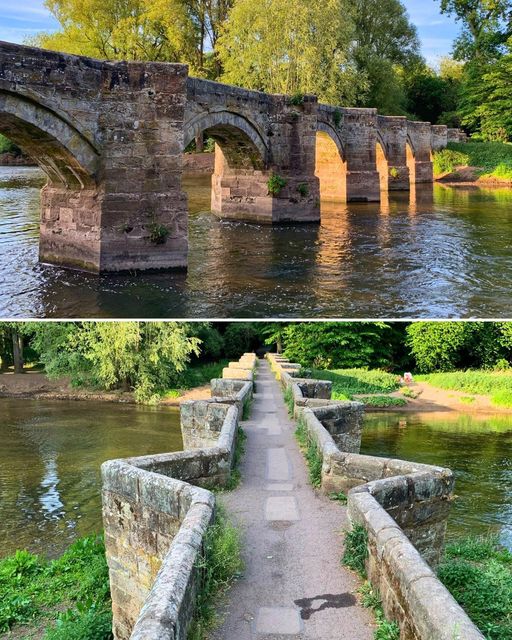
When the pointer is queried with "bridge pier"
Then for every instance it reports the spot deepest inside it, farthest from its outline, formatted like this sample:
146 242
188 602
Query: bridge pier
393 135
360 138
420 138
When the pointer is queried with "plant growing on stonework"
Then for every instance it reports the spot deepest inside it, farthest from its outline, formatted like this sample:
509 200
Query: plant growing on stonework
336 116
311 452
297 99
288 400
356 550
276 184
303 189
158 233
394 173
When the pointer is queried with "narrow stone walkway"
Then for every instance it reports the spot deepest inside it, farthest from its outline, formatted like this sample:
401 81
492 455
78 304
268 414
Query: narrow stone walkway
294 585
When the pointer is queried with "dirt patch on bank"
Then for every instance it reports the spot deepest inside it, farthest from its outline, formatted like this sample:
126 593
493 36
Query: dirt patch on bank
432 399
39 387
470 177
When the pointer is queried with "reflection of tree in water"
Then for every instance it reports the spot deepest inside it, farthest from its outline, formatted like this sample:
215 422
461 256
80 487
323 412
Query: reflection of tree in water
476 448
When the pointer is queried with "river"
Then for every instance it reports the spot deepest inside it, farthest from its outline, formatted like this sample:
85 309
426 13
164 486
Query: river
52 451
477 448
50 462
434 253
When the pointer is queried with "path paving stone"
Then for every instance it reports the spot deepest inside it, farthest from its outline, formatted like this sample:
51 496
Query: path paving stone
293 585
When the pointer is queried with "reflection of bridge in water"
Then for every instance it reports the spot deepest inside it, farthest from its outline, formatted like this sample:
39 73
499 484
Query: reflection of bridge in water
110 137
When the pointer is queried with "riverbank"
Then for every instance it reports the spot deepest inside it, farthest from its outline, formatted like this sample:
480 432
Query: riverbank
37 386
479 164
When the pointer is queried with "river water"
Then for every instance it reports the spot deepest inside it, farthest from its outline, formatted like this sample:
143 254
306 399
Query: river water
52 451
477 448
434 253
50 461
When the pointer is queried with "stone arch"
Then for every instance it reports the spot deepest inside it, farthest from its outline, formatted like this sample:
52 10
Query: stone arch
330 164
240 141
63 153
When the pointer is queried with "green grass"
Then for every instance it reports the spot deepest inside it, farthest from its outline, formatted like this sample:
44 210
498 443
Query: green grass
356 550
289 401
495 384
494 159
219 566
339 496
370 599
382 402
236 475
35 592
196 376
311 453
478 573
349 382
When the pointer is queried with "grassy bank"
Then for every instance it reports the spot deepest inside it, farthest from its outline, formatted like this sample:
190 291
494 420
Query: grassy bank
6 146
478 573
371 386
68 598
495 384
493 160
197 376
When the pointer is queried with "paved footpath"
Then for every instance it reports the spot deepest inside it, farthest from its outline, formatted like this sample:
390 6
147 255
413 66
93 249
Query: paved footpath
294 585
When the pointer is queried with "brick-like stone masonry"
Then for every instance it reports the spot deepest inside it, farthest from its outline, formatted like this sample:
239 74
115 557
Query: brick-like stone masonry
403 506
156 511
110 136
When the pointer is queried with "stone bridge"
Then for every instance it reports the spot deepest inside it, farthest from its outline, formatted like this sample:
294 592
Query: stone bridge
110 136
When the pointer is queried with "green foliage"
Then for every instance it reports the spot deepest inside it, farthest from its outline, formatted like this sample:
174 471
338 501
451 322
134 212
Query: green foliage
146 357
34 591
219 566
158 233
199 375
297 99
356 549
241 337
212 341
236 476
311 453
445 346
337 117
349 382
478 573
291 47
342 344
339 496
446 161
247 409
370 598
494 159
276 184
6 146
303 189
288 400
497 385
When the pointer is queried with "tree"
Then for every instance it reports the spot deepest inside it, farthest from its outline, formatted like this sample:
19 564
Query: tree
146 357
158 30
13 347
338 345
487 25
291 47
386 43
430 97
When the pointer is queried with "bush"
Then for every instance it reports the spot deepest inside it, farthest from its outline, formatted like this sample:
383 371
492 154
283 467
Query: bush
446 161
6 146
89 625
311 453
241 337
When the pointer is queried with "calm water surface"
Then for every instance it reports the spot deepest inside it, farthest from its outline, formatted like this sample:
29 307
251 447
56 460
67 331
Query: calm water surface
438 252
479 451
50 464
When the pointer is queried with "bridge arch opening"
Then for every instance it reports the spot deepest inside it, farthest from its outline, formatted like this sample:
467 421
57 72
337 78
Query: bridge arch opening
65 156
382 165
330 166
411 161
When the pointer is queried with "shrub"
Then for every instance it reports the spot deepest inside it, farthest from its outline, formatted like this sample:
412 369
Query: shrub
303 189
446 161
383 401
276 184
311 453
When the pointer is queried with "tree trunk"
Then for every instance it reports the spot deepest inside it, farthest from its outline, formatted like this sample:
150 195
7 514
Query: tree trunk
17 351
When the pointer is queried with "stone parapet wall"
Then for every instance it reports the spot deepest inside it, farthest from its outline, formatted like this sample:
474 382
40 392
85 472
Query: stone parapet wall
156 511
403 507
